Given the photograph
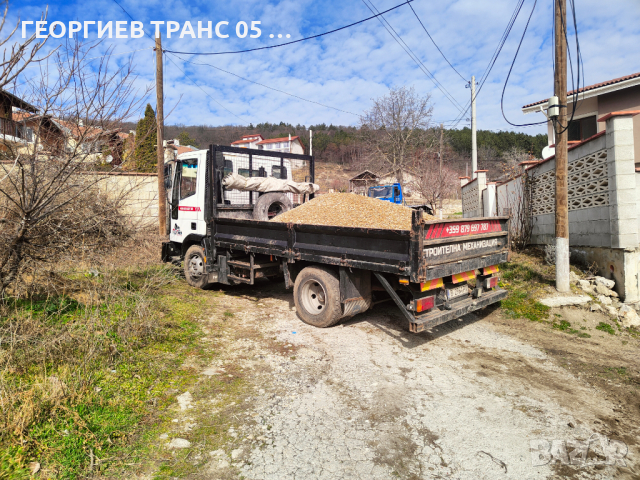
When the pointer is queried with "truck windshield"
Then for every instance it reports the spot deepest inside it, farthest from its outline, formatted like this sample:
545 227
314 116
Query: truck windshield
377 192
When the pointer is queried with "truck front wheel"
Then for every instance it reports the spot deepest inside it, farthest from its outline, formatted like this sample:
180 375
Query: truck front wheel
194 267
316 294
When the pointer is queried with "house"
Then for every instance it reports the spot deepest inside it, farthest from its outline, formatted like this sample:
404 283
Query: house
248 141
360 183
285 144
12 111
596 101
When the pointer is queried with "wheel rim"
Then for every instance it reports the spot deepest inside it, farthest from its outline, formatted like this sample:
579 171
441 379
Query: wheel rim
313 297
195 266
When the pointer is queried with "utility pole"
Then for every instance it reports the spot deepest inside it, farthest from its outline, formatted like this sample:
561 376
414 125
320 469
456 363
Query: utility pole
162 195
561 127
440 178
310 142
474 142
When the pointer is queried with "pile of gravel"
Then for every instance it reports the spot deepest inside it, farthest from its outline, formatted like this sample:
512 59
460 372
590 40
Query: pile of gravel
350 210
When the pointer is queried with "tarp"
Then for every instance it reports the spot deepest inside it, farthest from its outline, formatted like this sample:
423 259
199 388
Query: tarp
233 181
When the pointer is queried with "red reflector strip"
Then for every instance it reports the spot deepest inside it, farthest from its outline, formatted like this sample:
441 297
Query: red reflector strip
490 270
431 284
463 277
425 303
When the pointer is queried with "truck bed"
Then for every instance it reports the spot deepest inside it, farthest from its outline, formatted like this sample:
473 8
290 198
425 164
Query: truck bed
428 251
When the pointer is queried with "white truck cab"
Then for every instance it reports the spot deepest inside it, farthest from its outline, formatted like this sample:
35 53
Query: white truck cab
186 190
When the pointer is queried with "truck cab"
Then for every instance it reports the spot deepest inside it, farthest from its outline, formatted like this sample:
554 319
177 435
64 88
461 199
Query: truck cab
388 193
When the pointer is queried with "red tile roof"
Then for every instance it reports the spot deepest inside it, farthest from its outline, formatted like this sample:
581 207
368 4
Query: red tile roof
591 87
185 149
281 139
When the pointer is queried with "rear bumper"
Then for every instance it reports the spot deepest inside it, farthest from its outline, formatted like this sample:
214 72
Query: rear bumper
437 317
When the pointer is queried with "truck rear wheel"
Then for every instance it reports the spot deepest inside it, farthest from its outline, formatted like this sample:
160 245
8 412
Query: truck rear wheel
316 294
270 205
194 267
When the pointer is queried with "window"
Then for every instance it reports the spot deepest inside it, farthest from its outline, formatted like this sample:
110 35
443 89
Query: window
279 172
188 177
582 128
256 173
228 167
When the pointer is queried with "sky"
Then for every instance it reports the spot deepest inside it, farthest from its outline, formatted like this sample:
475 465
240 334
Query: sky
349 68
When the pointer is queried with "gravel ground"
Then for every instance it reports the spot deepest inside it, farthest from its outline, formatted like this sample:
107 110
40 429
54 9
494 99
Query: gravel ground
368 400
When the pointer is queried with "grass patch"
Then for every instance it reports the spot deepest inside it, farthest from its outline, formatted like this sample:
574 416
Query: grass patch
519 304
605 327
82 380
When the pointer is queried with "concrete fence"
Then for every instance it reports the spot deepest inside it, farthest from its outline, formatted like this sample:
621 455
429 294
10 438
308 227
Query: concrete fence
604 199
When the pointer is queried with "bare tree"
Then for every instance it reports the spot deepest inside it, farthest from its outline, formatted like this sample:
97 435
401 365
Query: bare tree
431 184
511 158
396 127
51 200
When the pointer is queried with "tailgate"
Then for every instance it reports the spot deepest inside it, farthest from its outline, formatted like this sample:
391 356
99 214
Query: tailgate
447 247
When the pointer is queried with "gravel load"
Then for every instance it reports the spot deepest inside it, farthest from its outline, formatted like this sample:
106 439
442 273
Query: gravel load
350 210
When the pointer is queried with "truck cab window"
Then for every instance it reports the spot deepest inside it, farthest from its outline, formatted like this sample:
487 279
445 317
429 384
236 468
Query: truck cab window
279 172
189 169
228 167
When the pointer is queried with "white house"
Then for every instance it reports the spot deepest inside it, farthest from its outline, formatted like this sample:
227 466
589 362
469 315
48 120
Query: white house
248 141
284 144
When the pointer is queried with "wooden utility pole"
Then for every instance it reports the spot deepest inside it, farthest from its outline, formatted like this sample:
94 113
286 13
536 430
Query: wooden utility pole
561 130
162 195
440 173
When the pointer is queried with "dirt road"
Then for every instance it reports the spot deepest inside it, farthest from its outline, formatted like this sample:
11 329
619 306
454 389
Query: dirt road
368 400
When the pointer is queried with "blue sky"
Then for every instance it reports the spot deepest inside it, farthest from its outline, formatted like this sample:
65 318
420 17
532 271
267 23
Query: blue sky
349 68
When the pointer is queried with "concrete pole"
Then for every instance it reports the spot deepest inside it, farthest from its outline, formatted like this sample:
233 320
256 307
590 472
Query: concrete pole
162 196
310 142
562 164
474 142
440 173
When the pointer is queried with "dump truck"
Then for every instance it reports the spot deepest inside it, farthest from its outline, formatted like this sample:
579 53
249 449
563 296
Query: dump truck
393 193
434 272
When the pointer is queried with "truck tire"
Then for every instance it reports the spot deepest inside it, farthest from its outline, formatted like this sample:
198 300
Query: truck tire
316 294
194 267
270 205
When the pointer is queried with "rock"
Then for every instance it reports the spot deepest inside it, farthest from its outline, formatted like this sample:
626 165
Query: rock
179 443
602 290
628 316
217 453
605 282
595 307
164 436
611 311
34 467
614 294
184 400
223 464
235 454
565 301
573 278
584 284
604 300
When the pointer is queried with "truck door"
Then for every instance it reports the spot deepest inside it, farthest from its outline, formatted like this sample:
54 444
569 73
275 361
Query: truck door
397 196
186 211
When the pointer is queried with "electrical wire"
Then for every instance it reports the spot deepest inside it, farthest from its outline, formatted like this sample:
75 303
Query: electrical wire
504 88
436 45
494 57
186 76
414 57
263 85
293 41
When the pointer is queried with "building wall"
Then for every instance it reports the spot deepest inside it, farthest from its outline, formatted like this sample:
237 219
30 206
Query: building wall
622 100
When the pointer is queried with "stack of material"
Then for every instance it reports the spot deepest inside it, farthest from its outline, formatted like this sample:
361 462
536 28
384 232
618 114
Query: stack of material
350 210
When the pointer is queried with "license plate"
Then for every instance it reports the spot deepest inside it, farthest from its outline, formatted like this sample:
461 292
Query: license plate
457 291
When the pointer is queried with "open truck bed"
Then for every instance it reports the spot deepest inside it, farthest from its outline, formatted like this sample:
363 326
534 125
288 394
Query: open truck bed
424 270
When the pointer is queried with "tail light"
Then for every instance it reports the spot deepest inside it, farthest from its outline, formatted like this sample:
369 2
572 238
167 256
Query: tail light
423 304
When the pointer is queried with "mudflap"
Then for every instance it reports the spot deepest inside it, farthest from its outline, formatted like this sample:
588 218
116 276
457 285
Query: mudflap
169 250
436 317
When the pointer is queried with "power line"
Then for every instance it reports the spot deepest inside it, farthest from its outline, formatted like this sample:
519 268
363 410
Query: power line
266 86
436 45
294 41
414 57
186 76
